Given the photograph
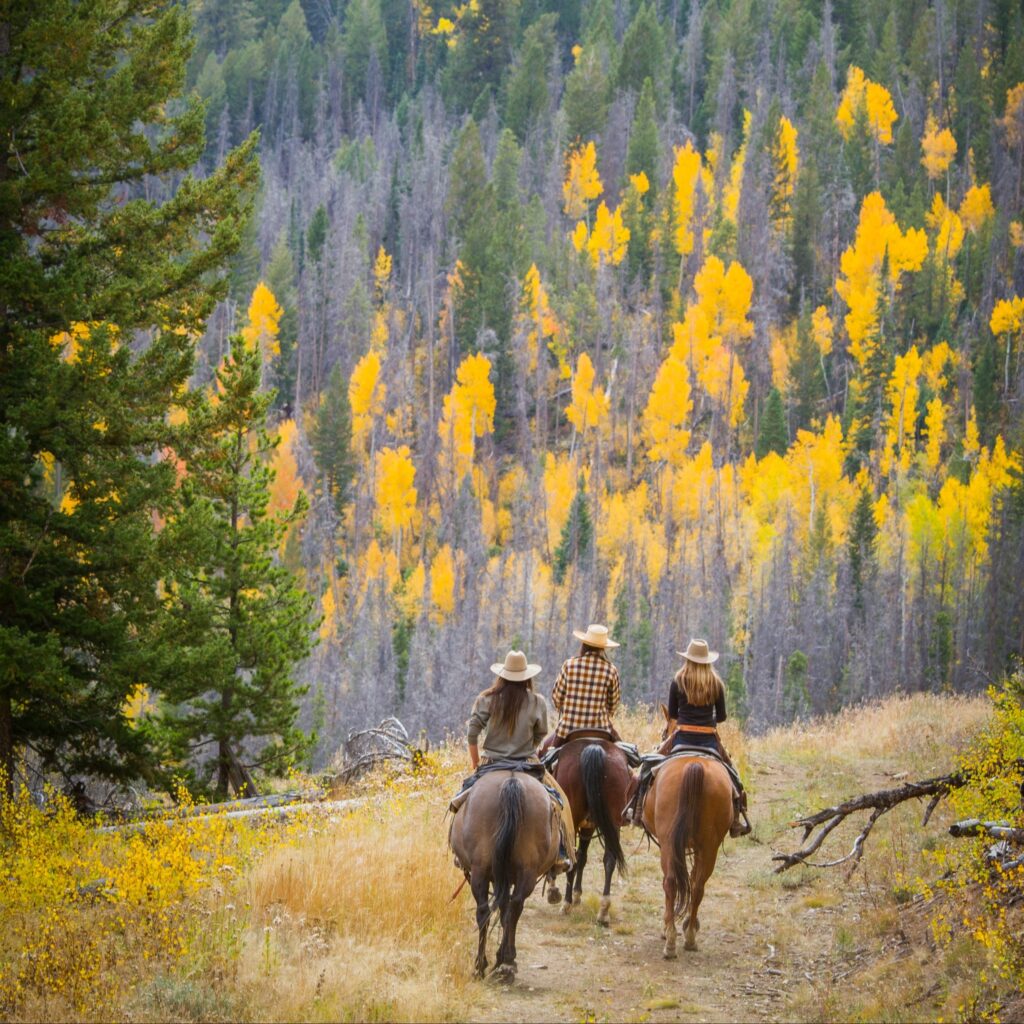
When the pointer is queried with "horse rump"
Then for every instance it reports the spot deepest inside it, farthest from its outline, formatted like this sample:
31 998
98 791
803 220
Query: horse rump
511 814
592 770
684 832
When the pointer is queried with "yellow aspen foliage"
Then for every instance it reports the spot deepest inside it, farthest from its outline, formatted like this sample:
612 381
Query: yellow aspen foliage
409 595
972 439
329 611
1007 315
366 394
622 514
687 175
1012 121
582 182
287 482
640 183
264 316
378 566
559 490
935 428
395 492
780 353
589 406
381 273
903 391
1017 234
821 330
878 240
786 163
724 297
976 208
939 148
442 585
608 241
70 341
665 416
543 327
468 413
138 704
874 99
734 186
686 490
936 365
948 228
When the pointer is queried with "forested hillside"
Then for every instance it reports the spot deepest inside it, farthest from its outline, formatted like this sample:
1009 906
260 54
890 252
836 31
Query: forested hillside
697 318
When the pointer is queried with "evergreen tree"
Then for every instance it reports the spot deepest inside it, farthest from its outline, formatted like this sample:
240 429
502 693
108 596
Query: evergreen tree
88 115
642 155
240 621
528 99
808 379
331 439
585 100
316 234
577 534
773 435
642 53
861 547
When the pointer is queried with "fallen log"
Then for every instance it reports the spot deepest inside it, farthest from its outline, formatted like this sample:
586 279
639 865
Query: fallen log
880 802
996 829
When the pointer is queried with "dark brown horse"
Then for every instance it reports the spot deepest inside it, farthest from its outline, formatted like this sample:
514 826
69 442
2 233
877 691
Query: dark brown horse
595 777
505 837
688 810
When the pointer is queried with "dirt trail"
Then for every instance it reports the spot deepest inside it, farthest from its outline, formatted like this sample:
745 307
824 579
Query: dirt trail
760 941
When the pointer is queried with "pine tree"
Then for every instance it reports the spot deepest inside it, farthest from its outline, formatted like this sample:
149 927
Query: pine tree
577 534
773 435
861 547
642 155
80 273
331 439
642 52
240 621
528 99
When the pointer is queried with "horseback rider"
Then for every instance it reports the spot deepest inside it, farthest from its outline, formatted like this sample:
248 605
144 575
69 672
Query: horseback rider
587 690
513 719
696 705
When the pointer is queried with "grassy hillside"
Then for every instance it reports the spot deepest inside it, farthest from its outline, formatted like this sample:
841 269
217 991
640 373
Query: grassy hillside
344 913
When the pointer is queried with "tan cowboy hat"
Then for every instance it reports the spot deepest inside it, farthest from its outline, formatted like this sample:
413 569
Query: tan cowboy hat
697 650
595 636
515 669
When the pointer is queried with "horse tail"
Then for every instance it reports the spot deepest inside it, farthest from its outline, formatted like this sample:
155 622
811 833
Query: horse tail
592 768
511 814
684 832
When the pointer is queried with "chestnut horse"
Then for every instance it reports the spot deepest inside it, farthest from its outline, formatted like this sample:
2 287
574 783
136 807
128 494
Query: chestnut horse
505 835
595 777
688 810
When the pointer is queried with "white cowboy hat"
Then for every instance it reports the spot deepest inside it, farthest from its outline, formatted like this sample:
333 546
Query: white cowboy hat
595 636
697 650
515 669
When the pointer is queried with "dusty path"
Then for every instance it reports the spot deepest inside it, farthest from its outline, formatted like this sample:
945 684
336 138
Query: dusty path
763 938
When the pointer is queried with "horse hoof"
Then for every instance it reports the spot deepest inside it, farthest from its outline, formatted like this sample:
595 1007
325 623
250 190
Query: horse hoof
669 954
504 974
566 908
554 895
690 946
604 922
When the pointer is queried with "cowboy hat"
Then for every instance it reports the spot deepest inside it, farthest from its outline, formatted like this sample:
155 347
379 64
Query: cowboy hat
697 650
595 636
515 669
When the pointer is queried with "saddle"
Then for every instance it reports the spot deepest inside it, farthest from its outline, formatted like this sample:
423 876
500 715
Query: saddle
535 769
631 750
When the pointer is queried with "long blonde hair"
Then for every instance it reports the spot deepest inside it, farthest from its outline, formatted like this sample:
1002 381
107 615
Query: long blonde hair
700 684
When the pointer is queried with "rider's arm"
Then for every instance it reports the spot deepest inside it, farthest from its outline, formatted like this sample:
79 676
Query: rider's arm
558 693
614 692
720 715
474 755
673 702
476 725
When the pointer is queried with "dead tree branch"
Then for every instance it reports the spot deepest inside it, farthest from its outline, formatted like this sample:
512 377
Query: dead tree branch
996 829
880 802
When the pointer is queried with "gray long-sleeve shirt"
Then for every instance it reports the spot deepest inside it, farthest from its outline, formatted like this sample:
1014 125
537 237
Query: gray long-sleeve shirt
530 729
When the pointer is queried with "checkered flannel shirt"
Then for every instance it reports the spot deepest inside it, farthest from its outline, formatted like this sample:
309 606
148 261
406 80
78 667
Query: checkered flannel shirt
586 694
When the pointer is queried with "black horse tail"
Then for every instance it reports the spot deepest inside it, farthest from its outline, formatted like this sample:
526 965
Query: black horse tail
684 833
592 769
511 814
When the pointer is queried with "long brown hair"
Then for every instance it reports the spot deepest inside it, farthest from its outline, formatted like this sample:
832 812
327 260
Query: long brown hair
590 649
700 684
507 699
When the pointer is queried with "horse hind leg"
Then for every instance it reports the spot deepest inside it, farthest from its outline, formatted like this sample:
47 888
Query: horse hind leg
698 877
505 963
574 883
480 888
606 894
668 932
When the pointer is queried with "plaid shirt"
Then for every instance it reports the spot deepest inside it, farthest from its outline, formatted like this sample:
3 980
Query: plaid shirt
586 694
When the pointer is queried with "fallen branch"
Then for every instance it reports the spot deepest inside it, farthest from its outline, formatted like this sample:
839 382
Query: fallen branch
881 802
996 829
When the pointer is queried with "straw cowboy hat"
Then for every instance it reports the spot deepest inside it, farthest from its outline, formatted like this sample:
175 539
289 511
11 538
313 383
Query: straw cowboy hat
515 669
697 650
595 636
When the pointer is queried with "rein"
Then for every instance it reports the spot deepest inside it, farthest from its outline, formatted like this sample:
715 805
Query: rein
451 899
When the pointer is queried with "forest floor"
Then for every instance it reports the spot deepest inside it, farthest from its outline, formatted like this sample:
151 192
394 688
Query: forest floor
804 945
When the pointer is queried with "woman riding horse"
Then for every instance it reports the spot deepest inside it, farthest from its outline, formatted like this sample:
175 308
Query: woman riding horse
506 831
696 704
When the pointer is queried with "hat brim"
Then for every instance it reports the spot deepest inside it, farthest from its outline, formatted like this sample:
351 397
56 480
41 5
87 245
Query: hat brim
711 658
515 677
593 641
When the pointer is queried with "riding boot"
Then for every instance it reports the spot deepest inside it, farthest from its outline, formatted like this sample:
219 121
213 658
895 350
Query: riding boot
740 823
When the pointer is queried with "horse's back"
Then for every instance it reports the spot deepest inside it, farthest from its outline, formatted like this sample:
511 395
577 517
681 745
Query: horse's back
670 787
569 775
479 820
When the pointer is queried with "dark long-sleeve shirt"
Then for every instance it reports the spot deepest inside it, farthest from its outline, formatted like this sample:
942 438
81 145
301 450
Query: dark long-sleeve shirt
682 711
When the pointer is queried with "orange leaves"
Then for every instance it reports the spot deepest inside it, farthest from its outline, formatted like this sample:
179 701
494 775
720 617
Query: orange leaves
665 416
366 394
264 317
287 482
582 182
939 148
862 96
590 405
